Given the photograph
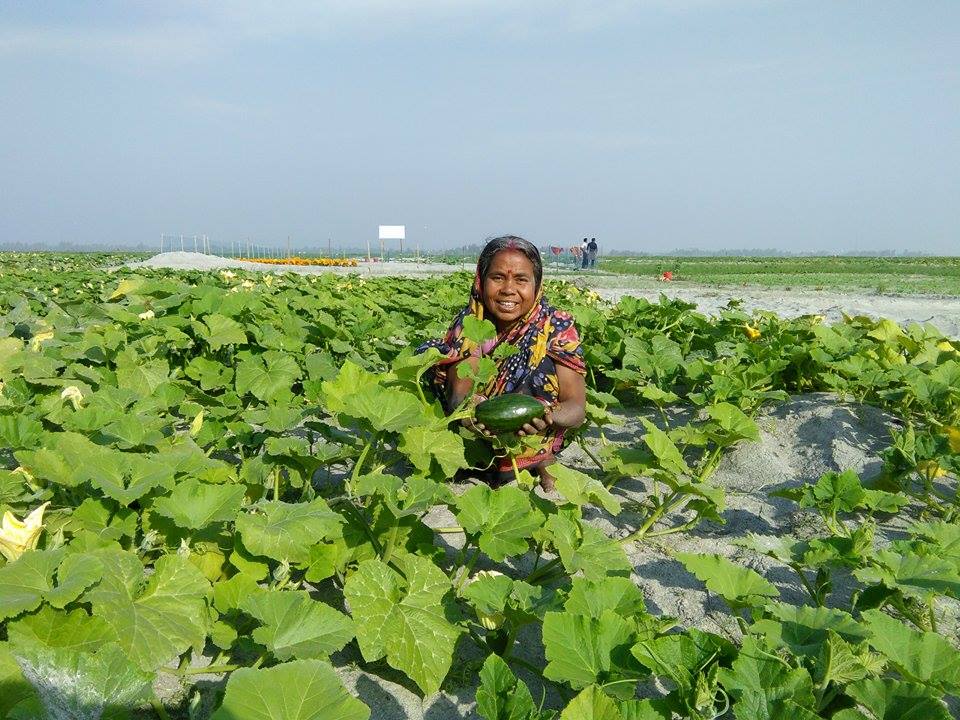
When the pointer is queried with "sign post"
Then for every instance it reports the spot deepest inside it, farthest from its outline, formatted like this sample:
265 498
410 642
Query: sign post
390 232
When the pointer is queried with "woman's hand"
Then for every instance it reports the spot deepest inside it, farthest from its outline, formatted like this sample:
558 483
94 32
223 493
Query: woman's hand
538 426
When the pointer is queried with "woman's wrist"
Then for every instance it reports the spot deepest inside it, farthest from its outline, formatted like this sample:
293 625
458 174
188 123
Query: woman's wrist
563 417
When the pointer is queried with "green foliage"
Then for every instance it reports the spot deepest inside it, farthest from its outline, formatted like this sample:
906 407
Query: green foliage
250 465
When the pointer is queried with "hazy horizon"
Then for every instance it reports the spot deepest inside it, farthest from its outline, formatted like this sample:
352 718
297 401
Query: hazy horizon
653 126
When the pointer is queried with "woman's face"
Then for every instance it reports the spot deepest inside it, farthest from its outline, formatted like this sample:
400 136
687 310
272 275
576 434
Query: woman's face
509 288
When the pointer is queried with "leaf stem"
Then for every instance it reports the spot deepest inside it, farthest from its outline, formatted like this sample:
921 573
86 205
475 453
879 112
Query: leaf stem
159 709
536 575
391 541
208 670
583 446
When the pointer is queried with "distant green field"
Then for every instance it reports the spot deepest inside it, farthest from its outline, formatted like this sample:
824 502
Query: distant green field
914 275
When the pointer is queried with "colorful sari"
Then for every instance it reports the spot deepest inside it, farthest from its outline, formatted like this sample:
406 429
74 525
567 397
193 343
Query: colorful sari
544 338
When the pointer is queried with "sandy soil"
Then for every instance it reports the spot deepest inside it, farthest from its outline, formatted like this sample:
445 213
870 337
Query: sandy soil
941 312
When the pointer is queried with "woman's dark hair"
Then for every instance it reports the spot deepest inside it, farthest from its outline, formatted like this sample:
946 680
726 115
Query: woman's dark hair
510 242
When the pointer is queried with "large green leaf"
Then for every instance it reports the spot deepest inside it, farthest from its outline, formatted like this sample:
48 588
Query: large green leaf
156 622
268 377
584 548
501 696
58 628
921 657
895 700
734 422
581 489
919 576
591 704
28 581
739 586
294 626
14 687
592 597
766 688
804 629
386 409
580 649
407 618
144 378
665 451
19 431
683 657
504 519
423 444
298 690
79 684
127 477
286 531
194 504
220 331
64 459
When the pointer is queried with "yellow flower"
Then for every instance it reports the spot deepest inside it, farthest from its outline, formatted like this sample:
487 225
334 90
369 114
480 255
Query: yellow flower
930 469
751 332
39 338
953 438
73 394
227 275
196 425
146 315
946 346
247 284
16 537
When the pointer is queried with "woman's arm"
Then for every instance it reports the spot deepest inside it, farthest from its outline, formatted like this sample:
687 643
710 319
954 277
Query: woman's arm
569 411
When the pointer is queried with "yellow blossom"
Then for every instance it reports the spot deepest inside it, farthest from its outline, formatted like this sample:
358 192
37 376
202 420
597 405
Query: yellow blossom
39 338
751 332
953 437
146 315
247 284
73 394
16 536
930 469
197 424
227 275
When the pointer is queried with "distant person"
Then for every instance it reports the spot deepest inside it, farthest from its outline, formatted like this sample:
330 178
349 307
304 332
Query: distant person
584 251
592 248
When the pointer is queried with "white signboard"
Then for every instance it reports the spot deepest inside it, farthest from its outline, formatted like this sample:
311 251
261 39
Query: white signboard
393 232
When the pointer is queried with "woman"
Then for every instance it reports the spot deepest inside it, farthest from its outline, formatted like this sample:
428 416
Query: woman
547 362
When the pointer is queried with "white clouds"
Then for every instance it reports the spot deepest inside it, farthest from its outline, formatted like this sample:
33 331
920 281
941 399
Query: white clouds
181 31
161 44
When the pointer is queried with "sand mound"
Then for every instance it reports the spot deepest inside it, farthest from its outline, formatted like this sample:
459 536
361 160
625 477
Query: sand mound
200 261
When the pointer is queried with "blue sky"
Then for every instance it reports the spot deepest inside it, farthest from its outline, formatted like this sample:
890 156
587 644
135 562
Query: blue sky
652 125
